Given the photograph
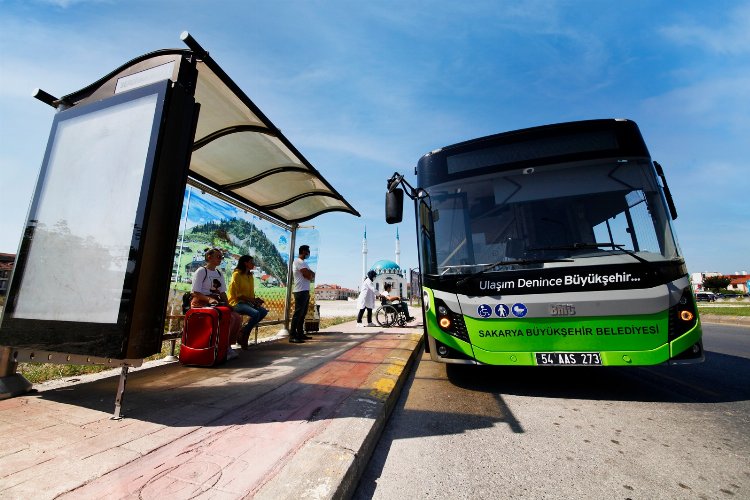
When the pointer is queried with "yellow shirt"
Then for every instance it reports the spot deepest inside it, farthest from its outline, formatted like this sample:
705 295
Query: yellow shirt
241 285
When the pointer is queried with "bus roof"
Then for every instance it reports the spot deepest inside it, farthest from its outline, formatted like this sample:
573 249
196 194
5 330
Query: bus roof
579 140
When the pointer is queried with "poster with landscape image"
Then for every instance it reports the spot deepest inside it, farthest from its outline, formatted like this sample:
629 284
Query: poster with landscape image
208 222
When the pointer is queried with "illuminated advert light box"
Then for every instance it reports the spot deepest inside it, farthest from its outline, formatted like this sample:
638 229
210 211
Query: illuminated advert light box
93 267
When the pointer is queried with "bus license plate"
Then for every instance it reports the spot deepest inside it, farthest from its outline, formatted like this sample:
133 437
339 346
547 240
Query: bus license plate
568 358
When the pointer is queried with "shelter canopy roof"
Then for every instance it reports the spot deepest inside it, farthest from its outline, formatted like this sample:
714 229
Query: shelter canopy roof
238 153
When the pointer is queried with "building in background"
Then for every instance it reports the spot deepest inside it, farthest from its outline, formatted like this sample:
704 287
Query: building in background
696 279
387 271
390 272
333 292
740 281
364 253
6 269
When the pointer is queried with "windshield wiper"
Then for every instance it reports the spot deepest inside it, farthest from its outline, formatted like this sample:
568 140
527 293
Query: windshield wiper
583 246
457 266
519 262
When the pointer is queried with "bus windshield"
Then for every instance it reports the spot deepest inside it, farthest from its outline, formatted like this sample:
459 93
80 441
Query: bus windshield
557 215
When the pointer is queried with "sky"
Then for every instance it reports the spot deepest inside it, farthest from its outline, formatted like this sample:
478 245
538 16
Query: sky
363 89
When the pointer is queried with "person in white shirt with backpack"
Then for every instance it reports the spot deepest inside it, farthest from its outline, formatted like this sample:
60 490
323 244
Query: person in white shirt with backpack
210 289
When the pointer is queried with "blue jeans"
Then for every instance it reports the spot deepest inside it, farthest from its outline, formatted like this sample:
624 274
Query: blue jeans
256 314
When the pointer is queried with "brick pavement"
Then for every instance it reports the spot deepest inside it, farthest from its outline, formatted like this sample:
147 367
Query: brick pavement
266 425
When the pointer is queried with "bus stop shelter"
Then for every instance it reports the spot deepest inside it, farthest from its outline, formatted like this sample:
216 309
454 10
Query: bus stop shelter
206 132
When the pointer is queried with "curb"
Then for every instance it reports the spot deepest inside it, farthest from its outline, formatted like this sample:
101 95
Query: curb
725 320
333 460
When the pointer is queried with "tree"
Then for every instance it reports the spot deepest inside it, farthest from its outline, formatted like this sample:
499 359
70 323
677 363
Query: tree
716 283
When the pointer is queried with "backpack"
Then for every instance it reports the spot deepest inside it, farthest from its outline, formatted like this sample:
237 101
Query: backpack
188 296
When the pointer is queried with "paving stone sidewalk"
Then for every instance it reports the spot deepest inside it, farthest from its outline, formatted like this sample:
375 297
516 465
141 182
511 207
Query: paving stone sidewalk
283 421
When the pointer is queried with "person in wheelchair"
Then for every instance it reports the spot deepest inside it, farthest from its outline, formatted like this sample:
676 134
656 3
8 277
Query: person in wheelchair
396 302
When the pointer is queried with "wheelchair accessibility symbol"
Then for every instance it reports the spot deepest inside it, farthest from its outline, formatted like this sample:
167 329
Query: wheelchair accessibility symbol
484 311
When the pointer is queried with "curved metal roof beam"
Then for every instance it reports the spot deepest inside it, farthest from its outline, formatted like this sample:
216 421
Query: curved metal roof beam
315 214
267 173
74 97
274 206
232 130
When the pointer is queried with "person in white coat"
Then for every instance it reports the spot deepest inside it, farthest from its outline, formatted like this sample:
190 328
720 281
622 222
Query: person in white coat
367 295
366 299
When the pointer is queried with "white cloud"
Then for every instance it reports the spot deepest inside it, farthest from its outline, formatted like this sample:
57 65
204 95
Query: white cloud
64 4
59 61
716 178
732 38
722 102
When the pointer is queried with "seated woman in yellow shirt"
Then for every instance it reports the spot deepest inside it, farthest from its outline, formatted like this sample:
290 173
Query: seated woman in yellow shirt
241 295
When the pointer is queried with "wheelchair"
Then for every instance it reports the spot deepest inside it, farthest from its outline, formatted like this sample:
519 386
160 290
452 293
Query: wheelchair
388 314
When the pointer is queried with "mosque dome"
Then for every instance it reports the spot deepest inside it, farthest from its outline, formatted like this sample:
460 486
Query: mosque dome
386 267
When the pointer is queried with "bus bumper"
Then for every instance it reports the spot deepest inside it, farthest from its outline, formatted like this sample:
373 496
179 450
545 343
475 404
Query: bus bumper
686 349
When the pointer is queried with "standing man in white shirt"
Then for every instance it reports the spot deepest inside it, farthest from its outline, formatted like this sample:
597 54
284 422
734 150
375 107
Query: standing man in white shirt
303 275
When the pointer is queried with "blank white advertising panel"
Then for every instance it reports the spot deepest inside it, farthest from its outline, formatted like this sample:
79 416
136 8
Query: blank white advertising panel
85 215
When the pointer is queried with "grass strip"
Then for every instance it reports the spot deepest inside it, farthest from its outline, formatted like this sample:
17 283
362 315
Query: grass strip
725 311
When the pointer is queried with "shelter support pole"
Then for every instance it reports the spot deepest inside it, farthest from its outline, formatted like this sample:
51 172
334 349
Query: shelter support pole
182 236
11 383
120 393
290 278
172 318
172 347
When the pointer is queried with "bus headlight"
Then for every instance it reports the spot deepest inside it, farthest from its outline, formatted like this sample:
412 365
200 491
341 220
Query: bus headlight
686 315
450 322
682 316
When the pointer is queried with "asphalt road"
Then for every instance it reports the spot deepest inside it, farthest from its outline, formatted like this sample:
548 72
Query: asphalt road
496 432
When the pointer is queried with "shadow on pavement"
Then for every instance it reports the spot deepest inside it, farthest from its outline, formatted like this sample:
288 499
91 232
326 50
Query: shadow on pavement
721 378
434 401
273 382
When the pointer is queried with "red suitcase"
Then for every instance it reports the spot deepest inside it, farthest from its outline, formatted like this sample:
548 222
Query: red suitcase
205 337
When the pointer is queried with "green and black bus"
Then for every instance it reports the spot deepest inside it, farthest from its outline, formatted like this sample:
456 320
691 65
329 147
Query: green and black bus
550 245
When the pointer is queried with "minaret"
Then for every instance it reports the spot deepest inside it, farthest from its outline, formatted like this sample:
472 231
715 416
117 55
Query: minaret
364 254
398 249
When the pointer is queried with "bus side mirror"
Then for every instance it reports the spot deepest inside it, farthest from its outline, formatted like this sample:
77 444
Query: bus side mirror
394 206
